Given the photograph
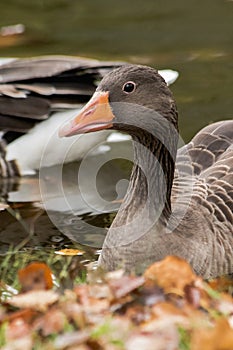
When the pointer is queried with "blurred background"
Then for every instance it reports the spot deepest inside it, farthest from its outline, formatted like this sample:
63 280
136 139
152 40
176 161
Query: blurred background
193 37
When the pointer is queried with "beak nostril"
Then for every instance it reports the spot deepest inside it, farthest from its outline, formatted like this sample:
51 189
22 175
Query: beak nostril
90 111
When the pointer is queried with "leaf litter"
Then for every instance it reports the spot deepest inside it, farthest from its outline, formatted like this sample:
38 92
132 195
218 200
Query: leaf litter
167 308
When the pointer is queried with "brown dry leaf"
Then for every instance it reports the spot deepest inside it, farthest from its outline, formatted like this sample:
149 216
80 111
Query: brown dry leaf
111 333
172 274
151 294
137 314
96 308
100 291
82 292
35 276
221 284
79 347
124 285
167 311
36 300
25 343
27 315
53 321
16 329
192 295
69 339
219 337
225 304
92 307
161 339
75 313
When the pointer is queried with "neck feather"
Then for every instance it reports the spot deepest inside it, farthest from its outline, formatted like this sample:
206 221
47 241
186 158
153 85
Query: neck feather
152 175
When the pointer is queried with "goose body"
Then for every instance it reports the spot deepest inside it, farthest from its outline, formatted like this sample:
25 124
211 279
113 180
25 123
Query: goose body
38 95
178 202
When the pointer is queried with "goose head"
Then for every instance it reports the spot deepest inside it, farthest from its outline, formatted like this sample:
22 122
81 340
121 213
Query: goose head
133 99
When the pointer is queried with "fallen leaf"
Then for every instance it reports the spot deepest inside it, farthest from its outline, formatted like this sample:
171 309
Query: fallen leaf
192 295
162 339
92 307
219 337
172 274
100 291
27 315
75 313
16 329
221 284
151 294
35 276
137 314
36 300
225 305
169 311
124 285
25 343
52 322
70 339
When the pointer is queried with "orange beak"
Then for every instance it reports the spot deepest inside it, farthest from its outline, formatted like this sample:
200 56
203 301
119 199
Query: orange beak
94 116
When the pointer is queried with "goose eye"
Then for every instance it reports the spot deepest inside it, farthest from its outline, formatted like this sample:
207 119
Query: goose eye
129 87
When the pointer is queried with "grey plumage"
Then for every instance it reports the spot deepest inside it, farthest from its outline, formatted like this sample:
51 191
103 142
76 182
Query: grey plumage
199 225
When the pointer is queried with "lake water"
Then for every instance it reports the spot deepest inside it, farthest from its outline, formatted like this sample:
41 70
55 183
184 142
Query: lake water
195 38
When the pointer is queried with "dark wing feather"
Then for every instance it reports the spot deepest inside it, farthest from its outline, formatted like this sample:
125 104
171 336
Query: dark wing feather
208 146
33 88
49 66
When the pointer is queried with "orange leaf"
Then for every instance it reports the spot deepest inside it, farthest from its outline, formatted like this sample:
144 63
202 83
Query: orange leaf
219 337
35 276
172 274
27 315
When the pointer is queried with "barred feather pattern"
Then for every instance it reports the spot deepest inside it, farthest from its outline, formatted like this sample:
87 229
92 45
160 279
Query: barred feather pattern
203 189
8 169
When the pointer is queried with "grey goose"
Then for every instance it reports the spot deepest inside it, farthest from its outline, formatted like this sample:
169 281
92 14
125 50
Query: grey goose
178 202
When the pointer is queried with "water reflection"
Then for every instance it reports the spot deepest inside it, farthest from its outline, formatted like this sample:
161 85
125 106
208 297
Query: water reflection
79 204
